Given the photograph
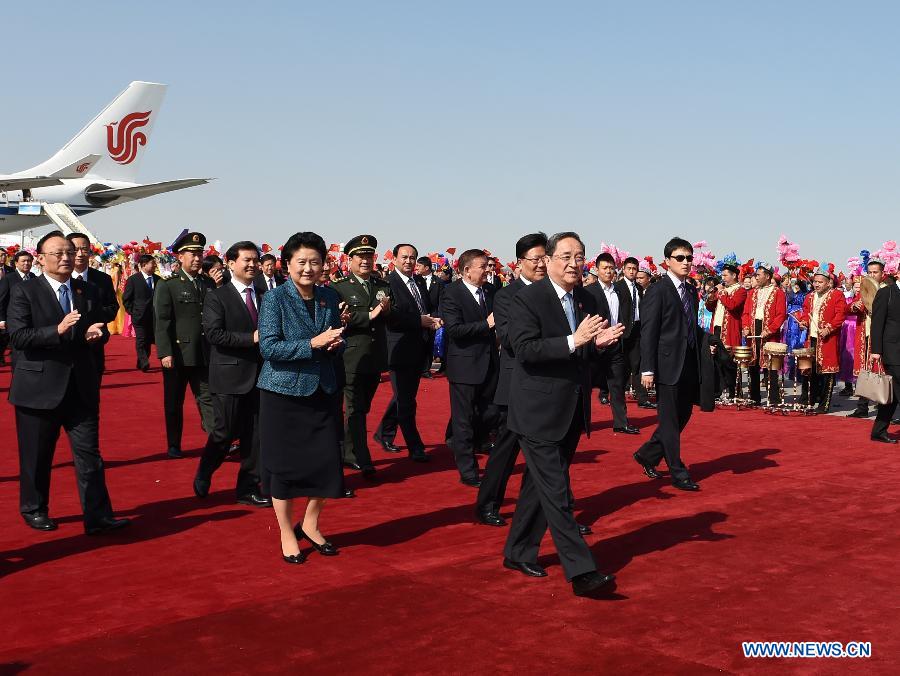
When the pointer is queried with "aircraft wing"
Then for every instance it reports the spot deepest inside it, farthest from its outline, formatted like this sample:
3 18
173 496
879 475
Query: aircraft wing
7 183
77 169
148 189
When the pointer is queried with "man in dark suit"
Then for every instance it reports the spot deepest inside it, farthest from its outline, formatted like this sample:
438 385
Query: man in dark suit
492 278
103 282
410 327
670 359
54 322
368 300
180 343
885 336
230 321
631 293
612 365
472 359
435 288
555 331
531 260
269 277
21 272
138 301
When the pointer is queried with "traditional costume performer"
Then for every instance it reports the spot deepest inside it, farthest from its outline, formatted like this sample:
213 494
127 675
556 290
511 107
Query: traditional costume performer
764 312
726 302
823 312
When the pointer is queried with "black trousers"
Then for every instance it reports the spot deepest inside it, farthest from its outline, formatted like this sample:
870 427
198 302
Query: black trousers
499 467
674 404
885 412
175 383
727 373
471 409
774 392
236 417
546 500
401 410
616 371
143 339
4 342
359 391
631 350
38 431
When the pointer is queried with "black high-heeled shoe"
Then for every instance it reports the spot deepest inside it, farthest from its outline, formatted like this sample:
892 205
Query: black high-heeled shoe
299 557
326 549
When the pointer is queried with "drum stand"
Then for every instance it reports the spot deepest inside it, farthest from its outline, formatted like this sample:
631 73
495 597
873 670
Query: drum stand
739 402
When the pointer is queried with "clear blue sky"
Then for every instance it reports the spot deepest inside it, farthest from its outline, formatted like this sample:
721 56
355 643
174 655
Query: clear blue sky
470 123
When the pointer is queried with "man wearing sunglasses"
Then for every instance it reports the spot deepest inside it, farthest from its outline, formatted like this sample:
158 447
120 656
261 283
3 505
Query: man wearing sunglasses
670 360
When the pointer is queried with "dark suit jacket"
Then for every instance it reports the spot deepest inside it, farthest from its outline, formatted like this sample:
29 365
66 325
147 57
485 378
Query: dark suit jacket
886 324
596 290
434 293
234 359
108 299
625 309
7 284
547 381
260 282
471 343
502 305
407 341
664 329
138 299
46 360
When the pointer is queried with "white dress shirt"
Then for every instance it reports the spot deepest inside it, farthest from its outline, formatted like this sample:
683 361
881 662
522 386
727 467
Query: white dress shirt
81 275
242 291
54 284
560 293
612 299
474 291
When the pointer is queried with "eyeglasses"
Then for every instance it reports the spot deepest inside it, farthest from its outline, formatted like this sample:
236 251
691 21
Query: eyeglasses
534 261
60 254
566 260
681 258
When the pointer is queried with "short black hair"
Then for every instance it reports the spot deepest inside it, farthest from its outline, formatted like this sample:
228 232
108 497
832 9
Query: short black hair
424 260
631 260
878 263
209 262
20 253
528 242
266 257
72 236
733 268
400 246
469 255
303 240
49 235
237 247
143 259
605 257
554 241
677 243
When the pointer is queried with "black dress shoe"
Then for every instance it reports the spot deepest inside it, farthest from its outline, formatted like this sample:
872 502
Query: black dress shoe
386 445
297 558
428 375
529 569
419 457
106 525
647 404
349 493
40 521
201 488
584 530
352 465
255 500
847 391
472 481
604 401
588 583
649 469
628 429
325 549
491 519
686 485
858 413
883 438
174 453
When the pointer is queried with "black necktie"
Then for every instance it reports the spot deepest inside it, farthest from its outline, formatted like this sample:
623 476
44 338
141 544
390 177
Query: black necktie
687 306
633 302
481 303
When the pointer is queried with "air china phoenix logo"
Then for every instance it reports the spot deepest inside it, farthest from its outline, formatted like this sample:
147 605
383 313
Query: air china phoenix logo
83 167
123 137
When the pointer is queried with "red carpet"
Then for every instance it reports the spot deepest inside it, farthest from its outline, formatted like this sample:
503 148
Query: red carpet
792 538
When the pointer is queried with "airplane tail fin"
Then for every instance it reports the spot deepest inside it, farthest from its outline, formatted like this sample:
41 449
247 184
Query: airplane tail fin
119 135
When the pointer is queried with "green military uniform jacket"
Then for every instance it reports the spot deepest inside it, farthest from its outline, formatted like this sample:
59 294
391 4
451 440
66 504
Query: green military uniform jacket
177 306
366 350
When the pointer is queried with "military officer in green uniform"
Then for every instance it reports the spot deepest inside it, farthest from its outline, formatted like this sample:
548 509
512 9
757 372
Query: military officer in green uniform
368 301
177 305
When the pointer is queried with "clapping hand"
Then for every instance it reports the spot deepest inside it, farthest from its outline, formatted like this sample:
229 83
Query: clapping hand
68 322
608 334
329 339
589 328
94 332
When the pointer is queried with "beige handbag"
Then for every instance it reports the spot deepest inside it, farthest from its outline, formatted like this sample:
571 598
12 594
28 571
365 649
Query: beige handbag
875 385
